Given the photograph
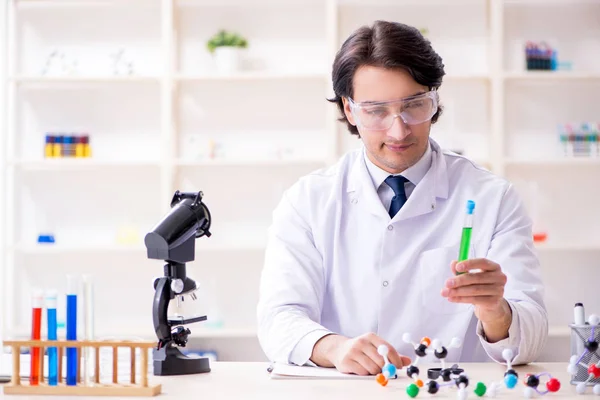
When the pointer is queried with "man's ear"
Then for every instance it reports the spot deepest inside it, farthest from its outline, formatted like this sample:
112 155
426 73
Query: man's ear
348 112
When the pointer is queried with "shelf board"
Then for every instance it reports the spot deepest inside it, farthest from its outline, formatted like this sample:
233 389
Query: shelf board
251 76
550 246
569 3
80 163
202 246
69 79
202 332
248 163
466 77
559 162
55 4
551 75
559 331
404 3
131 333
50 248
245 3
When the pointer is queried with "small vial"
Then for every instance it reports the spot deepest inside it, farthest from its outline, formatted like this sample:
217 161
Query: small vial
58 146
87 150
49 147
68 146
79 147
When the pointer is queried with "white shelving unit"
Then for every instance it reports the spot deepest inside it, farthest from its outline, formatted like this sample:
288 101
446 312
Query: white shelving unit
152 132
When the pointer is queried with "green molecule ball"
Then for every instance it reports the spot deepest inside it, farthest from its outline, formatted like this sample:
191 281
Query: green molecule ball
480 389
412 390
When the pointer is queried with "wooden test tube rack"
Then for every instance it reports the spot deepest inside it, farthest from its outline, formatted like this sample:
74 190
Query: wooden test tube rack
94 388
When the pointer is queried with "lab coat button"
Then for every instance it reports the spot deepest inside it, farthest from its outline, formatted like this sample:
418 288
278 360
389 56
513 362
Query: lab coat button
390 227
385 283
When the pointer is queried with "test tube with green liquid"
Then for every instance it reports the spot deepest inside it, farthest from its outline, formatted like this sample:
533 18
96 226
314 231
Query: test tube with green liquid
465 240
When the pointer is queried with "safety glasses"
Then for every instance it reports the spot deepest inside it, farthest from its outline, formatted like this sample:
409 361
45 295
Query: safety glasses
379 116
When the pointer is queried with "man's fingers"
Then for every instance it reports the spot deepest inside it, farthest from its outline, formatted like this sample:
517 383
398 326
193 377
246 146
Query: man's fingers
396 359
371 352
477 263
476 291
356 368
366 362
496 277
392 355
453 267
475 300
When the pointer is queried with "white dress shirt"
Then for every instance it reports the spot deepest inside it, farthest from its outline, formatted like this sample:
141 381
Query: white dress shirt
414 174
337 263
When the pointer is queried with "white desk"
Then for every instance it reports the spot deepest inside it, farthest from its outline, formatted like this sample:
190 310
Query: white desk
229 380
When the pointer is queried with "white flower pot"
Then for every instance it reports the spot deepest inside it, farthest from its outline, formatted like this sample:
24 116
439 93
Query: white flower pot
227 59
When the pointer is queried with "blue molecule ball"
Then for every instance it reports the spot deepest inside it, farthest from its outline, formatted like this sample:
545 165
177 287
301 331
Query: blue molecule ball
511 381
390 369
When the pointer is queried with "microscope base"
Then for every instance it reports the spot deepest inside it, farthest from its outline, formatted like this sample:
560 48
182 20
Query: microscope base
171 361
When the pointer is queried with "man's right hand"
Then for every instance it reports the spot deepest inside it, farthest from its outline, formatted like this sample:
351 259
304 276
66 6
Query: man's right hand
355 355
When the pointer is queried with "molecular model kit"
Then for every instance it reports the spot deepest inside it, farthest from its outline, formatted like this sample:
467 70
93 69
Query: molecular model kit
454 377
584 365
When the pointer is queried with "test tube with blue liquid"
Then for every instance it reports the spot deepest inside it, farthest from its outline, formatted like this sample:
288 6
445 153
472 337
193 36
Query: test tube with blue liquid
465 240
51 300
72 358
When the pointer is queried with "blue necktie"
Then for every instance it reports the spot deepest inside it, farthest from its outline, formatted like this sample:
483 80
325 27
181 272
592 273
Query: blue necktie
397 185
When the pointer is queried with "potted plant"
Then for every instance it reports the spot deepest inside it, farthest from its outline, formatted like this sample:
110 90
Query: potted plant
226 46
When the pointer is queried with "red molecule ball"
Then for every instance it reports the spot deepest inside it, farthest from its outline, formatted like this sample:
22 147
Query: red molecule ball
594 370
553 385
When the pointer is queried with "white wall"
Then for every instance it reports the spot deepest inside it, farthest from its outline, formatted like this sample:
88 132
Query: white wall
151 133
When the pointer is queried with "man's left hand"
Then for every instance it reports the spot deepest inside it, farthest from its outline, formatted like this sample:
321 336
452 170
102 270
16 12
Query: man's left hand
481 284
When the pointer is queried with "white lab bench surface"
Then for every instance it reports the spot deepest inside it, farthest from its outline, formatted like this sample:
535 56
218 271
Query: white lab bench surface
244 380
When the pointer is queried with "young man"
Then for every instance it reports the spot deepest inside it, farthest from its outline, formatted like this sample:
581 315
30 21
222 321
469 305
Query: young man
364 251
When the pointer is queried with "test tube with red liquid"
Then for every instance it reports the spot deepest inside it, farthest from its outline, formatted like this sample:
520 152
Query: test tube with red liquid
36 329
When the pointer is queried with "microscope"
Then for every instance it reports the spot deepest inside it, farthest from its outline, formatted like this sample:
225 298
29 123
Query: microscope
173 240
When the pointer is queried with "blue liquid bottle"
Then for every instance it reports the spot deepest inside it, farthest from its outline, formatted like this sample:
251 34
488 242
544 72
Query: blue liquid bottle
51 300
72 358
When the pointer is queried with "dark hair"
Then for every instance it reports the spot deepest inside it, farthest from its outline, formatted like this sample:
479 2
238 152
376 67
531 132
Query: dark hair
390 45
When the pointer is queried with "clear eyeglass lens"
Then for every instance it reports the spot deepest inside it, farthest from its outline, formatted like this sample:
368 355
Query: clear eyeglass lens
381 117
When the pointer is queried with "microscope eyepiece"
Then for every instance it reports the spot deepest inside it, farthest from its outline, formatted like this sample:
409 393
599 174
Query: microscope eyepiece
172 238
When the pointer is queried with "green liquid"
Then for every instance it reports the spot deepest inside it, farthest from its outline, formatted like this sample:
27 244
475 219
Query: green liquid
465 244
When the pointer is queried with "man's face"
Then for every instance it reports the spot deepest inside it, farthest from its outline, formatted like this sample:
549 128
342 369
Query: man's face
401 146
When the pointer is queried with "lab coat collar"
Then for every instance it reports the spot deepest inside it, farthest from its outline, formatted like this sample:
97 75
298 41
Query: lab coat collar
414 173
423 199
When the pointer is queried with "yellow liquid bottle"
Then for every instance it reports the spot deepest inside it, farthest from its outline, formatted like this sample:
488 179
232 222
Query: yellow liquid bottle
57 146
79 147
49 147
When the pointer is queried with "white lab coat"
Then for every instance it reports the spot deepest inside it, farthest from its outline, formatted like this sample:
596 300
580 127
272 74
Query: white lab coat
336 263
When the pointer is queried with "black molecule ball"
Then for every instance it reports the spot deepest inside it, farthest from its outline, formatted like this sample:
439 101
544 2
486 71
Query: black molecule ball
533 381
412 370
432 387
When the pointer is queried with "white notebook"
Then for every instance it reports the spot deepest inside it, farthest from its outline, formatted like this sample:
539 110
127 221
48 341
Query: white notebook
287 371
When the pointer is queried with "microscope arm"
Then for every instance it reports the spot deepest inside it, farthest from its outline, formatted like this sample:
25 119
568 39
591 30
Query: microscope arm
162 295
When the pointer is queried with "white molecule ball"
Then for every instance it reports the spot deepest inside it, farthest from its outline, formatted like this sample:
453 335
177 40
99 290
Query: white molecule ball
492 390
461 394
573 359
436 344
507 354
406 338
383 350
572 369
455 342
580 388
594 319
528 392
596 389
